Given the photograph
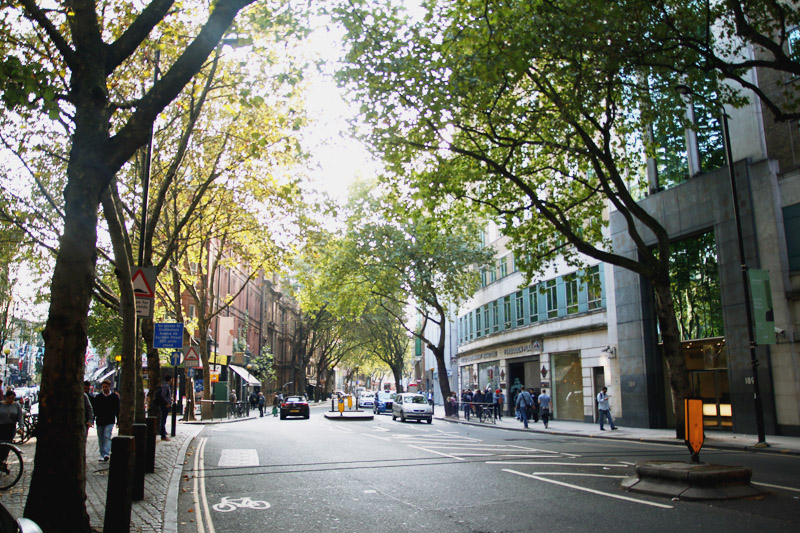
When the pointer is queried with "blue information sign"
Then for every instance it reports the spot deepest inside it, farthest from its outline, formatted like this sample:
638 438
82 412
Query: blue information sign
168 335
175 360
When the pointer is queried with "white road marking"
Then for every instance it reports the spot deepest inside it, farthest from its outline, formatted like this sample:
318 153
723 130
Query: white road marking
438 453
238 457
346 430
585 489
200 499
550 463
775 486
579 475
377 437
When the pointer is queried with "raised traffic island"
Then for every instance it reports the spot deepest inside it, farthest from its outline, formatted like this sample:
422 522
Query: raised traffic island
692 481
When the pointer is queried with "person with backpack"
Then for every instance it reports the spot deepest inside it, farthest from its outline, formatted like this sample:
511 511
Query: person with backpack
524 402
262 402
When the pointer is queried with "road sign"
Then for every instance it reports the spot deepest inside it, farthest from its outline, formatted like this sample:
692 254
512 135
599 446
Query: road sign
175 360
144 280
191 358
190 373
168 335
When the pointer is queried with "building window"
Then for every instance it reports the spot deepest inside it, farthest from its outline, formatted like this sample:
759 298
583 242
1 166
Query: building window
483 277
533 303
471 326
571 285
514 265
551 291
594 288
192 311
495 316
507 312
478 328
503 267
486 319
520 309
492 275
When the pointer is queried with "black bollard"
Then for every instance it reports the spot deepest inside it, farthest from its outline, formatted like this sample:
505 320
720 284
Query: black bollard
140 437
120 486
153 423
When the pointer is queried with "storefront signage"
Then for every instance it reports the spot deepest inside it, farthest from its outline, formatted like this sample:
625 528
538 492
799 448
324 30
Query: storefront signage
477 357
532 347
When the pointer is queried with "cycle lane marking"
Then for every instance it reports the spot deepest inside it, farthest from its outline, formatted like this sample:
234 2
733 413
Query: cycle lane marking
586 489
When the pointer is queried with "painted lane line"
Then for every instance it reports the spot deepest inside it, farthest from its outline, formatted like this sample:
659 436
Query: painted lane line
585 489
377 437
524 455
206 509
560 454
437 453
196 496
775 486
346 430
551 463
578 475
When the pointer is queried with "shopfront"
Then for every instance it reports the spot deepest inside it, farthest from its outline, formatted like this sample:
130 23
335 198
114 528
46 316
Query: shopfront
567 384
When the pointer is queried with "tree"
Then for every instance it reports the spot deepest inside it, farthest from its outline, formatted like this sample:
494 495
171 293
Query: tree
386 339
508 107
394 253
104 136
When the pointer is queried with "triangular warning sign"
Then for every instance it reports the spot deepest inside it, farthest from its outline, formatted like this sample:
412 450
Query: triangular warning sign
191 355
141 287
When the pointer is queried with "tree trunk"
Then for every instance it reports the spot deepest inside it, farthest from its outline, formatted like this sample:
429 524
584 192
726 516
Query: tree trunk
444 381
153 365
680 387
397 371
57 494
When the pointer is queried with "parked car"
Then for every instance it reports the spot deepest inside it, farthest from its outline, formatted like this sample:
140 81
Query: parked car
366 399
412 406
295 406
383 402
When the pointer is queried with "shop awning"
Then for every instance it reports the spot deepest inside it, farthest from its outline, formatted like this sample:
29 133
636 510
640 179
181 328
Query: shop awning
104 376
245 375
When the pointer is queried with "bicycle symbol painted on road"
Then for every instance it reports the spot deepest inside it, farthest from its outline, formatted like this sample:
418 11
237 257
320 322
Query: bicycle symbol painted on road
226 505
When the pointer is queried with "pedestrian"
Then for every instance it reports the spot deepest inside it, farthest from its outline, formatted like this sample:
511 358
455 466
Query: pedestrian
106 414
535 408
453 402
88 411
478 399
254 400
466 399
545 404
603 409
164 402
524 402
499 401
430 398
262 402
11 418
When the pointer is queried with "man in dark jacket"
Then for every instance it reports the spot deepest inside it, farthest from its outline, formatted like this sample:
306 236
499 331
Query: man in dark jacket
106 414
164 400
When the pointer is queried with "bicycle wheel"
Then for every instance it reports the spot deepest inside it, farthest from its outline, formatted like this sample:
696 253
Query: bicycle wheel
11 471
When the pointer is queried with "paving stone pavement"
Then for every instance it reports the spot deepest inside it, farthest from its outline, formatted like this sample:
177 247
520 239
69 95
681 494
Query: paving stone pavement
157 513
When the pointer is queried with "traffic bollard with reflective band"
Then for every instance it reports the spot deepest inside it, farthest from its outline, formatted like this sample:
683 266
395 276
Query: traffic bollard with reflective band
120 486
694 435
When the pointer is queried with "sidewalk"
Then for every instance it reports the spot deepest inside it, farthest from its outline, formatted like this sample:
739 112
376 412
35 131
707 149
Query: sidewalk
713 438
157 512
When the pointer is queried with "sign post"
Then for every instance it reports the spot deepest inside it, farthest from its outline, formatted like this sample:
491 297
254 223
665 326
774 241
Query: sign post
694 435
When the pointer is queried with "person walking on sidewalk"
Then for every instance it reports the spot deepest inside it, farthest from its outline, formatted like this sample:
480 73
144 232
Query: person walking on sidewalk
603 409
106 413
262 402
164 402
11 418
88 411
524 402
545 403
499 401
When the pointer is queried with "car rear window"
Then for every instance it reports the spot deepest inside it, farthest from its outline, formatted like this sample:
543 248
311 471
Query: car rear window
415 399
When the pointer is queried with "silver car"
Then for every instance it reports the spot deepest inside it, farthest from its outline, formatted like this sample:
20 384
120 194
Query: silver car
412 406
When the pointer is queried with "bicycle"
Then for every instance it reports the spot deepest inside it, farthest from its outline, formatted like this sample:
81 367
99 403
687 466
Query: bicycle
486 413
11 468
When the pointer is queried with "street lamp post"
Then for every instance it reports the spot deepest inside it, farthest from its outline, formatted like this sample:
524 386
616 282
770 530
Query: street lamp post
686 91
6 351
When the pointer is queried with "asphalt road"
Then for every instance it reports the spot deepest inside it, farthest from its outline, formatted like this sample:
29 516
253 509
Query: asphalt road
322 475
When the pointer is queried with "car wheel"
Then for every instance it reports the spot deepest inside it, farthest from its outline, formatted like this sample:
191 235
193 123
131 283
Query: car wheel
402 417
430 421
283 416
394 417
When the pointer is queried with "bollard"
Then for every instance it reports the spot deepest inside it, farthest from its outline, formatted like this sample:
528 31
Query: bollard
140 437
120 476
153 423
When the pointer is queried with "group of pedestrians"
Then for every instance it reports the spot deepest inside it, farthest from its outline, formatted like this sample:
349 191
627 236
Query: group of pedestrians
472 401
530 406
257 399
101 410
